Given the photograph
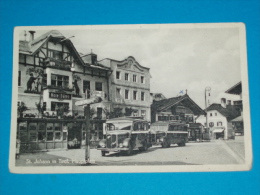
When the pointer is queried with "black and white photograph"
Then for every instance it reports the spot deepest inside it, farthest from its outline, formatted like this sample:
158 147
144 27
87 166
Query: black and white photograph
130 98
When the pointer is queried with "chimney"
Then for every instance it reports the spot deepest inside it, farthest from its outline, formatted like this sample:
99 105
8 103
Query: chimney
31 35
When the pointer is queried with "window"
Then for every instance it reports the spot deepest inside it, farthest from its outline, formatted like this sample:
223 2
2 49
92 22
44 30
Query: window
98 86
134 78
142 79
135 95
229 102
118 75
142 96
219 123
49 136
86 86
127 94
210 114
135 113
55 54
99 113
56 105
211 124
143 112
216 114
126 76
59 80
118 92
44 80
19 78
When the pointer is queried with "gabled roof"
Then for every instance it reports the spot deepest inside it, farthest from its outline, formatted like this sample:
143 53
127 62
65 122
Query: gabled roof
236 89
165 104
230 112
31 47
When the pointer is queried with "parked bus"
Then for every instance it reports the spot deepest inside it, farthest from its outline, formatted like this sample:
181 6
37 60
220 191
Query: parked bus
166 133
125 134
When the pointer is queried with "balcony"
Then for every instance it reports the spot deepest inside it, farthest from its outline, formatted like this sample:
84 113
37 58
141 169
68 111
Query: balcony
57 64
60 88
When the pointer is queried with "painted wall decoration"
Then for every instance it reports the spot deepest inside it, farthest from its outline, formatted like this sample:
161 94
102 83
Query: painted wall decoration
35 80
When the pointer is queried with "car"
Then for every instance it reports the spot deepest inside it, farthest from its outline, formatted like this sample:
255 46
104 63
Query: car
165 133
125 134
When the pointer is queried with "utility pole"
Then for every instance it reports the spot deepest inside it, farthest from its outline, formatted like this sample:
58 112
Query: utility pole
87 126
207 89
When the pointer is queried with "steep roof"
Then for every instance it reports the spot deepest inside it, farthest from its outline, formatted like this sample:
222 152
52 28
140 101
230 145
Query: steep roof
31 47
230 111
236 89
185 99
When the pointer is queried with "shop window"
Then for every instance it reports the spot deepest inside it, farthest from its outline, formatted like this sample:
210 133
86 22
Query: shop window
118 75
57 127
59 80
126 76
32 126
57 136
127 94
23 136
23 126
142 96
49 136
49 126
134 95
142 79
41 127
33 136
41 136
19 78
98 86
134 78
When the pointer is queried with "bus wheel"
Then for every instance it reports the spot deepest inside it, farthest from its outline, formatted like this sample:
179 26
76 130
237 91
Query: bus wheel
103 153
165 144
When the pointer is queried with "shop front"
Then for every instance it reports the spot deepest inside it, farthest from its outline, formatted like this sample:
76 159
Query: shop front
46 134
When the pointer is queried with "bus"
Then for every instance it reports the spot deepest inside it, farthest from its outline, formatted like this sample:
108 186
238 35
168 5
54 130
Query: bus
165 133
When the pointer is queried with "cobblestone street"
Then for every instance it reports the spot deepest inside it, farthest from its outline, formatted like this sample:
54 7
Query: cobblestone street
194 153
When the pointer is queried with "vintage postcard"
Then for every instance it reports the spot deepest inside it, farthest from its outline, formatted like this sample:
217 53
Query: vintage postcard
130 98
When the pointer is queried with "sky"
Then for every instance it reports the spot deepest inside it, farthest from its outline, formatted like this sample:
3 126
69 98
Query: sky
179 58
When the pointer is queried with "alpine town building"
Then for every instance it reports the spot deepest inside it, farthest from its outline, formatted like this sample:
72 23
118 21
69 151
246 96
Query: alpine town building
52 77
129 88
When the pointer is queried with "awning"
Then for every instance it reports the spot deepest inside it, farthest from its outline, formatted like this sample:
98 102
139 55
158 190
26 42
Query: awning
218 130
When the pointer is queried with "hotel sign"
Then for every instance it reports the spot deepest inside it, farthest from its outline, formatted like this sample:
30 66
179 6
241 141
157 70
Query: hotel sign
60 96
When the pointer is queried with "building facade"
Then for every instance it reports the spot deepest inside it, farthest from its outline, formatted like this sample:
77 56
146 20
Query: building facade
181 109
129 87
52 76
226 107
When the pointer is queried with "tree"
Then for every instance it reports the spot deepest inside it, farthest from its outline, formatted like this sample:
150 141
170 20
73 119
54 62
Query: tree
117 112
128 111
21 108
